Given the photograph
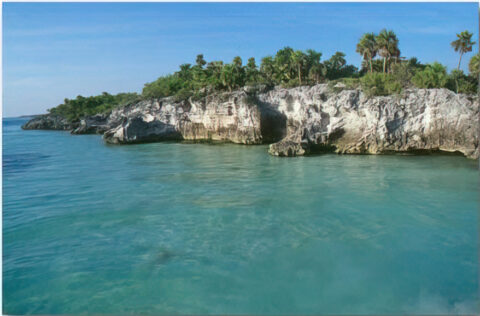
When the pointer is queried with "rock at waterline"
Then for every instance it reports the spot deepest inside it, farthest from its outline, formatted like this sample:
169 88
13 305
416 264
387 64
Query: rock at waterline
296 121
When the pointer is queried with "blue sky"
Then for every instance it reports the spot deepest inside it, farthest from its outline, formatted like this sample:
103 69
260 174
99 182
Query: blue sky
53 51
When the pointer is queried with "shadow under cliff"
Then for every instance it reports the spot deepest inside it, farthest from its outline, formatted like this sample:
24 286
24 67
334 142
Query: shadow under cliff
273 123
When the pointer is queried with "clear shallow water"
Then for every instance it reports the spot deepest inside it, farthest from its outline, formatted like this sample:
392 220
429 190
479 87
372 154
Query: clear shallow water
183 228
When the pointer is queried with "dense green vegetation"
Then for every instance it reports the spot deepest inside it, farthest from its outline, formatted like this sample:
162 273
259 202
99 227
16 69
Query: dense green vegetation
288 68
81 106
383 72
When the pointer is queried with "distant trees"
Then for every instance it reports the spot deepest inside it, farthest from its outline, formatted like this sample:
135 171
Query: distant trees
412 73
81 106
463 44
288 67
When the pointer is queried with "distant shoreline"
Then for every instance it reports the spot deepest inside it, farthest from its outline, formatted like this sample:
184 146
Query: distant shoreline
23 116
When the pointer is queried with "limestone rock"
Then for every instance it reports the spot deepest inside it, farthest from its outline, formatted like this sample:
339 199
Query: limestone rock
229 117
96 124
49 122
297 121
419 121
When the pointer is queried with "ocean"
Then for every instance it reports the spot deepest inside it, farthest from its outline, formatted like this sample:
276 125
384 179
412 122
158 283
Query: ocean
180 228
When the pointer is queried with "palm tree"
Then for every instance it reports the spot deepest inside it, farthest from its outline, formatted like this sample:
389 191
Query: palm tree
387 45
313 57
463 44
237 61
238 72
284 68
251 71
314 67
214 70
395 53
199 74
335 65
200 61
228 76
367 47
267 68
474 65
251 64
317 71
185 71
299 59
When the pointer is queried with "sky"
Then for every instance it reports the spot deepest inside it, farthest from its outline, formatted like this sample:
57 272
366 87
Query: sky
53 51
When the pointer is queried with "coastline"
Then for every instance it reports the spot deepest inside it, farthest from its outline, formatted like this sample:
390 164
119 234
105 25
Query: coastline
294 122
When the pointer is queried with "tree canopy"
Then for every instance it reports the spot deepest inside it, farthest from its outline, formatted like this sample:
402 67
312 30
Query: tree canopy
289 68
82 106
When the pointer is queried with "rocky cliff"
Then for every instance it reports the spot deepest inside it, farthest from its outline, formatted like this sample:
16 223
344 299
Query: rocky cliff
298 121
49 122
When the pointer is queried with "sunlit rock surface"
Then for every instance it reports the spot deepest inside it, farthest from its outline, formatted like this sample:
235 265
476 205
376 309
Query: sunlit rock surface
297 121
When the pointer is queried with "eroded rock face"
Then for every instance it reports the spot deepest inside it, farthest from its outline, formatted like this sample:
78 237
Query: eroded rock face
420 120
297 121
96 124
290 146
224 117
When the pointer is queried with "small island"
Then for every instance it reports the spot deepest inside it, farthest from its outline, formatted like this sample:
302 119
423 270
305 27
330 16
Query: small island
296 103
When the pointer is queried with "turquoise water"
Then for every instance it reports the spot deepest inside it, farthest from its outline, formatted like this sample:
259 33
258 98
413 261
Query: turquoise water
183 228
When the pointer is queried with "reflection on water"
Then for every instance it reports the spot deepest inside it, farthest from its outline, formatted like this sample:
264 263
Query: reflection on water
190 228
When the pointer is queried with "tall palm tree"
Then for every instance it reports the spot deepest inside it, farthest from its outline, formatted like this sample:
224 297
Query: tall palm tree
367 47
387 45
238 72
463 44
299 59
251 71
314 66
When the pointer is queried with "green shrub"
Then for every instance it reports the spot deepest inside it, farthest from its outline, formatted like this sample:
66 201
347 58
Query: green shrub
378 84
474 66
291 83
163 87
183 94
461 83
403 73
433 76
344 84
351 83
